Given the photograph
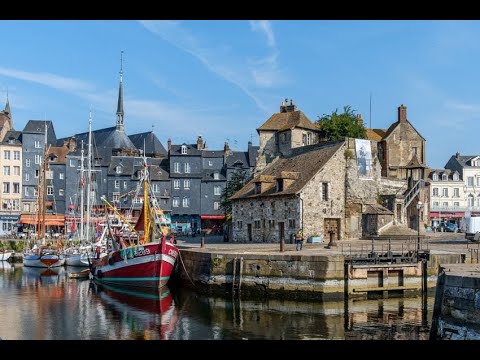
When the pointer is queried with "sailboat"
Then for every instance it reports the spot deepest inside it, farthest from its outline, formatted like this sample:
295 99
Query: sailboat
43 256
147 262
79 256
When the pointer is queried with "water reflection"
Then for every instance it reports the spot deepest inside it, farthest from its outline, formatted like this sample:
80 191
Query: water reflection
41 304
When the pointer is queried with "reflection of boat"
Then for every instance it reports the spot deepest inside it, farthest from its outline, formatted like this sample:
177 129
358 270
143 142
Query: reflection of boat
5 254
5 265
152 311
45 276
84 274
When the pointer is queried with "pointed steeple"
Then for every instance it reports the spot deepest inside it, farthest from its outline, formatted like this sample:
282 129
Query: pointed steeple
120 124
7 108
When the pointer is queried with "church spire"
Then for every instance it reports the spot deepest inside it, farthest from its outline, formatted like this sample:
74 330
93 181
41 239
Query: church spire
7 108
120 124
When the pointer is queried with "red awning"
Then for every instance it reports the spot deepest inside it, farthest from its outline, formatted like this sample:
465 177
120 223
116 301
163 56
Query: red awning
50 219
212 217
446 214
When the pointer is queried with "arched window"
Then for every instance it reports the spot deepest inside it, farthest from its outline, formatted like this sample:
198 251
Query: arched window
444 177
184 150
470 200
435 177
455 176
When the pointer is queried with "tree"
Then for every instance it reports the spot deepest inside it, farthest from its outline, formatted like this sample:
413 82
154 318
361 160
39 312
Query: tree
337 126
239 178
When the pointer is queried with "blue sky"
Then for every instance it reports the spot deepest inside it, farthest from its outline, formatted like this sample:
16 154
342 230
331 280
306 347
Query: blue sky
223 79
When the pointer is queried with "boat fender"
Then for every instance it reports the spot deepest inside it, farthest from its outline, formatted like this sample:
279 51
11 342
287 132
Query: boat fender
111 260
99 274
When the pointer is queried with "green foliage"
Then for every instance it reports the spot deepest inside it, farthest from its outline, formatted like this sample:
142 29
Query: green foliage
238 180
337 126
348 154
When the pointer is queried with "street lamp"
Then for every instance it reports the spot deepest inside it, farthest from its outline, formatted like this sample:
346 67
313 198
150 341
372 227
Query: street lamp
419 207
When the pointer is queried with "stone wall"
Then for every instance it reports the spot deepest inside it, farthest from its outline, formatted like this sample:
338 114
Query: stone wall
456 314
267 151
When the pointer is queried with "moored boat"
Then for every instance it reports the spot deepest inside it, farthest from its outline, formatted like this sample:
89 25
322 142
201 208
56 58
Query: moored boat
44 257
5 254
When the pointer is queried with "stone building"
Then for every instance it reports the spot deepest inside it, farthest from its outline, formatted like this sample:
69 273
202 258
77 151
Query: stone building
6 120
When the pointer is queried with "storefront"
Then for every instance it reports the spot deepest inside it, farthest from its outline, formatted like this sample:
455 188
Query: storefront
213 224
185 224
8 224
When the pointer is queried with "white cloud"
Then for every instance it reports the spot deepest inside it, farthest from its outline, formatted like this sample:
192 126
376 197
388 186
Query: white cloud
246 75
48 79
265 27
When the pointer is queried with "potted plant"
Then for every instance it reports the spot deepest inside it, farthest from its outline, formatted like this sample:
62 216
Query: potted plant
315 238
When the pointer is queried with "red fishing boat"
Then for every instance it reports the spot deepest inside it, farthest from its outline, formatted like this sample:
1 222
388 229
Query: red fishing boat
143 257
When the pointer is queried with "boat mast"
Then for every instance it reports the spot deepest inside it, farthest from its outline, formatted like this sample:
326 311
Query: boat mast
44 186
146 208
82 185
89 173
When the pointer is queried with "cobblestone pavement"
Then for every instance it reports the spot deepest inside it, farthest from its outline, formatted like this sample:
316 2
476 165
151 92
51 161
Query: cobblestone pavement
451 242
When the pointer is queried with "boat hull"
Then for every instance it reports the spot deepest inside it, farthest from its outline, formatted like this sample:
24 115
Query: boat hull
76 260
43 261
4 256
145 266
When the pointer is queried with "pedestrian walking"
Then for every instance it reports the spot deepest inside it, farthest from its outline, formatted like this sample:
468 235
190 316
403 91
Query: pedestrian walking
299 240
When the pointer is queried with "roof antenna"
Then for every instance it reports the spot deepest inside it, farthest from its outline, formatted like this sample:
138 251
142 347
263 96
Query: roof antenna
370 115
121 64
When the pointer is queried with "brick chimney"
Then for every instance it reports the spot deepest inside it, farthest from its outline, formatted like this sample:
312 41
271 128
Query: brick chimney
402 113
226 149
199 142
286 107
169 145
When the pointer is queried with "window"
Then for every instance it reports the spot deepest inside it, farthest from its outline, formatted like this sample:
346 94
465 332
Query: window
35 192
49 175
176 201
217 190
445 205
456 204
414 150
470 200
256 224
304 139
16 155
186 184
49 190
124 184
37 144
309 138
72 163
435 204
6 154
16 205
38 159
216 205
116 197
291 223
470 181
435 177
138 200
279 185
176 167
16 170
6 187
435 192
210 163
117 184
118 169
26 192
6 170
184 150
26 207
325 191
27 162
187 168
216 176
284 137
176 184
455 176
61 192
27 177
445 192
478 181
456 192
16 188
444 177
271 224
61 176
155 187
186 202
36 173
239 224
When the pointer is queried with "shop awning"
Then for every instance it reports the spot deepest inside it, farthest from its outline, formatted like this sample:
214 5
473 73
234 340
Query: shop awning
50 219
212 217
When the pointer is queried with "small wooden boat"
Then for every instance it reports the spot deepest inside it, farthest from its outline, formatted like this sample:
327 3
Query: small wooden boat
84 274
5 254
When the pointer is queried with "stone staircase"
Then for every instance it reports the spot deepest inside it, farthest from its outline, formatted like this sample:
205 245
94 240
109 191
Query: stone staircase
399 232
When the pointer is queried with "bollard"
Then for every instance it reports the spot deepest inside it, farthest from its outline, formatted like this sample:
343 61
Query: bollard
202 242
332 242
282 244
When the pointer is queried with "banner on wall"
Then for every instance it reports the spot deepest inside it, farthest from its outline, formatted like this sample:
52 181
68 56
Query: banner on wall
364 158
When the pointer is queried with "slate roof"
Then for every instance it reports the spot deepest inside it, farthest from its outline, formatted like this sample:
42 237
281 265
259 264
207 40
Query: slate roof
38 127
287 120
153 146
306 163
213 154
15 136
191 150
207 175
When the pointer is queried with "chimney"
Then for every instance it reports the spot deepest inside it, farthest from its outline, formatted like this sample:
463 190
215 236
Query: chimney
457 155
360 120
226 149
199 142
283 106
291 107
169 145
402 113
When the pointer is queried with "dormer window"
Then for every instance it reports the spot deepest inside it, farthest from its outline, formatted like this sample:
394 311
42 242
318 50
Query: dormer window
279 185
455 176
118 169
216 176
184 150
435 177
444 177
